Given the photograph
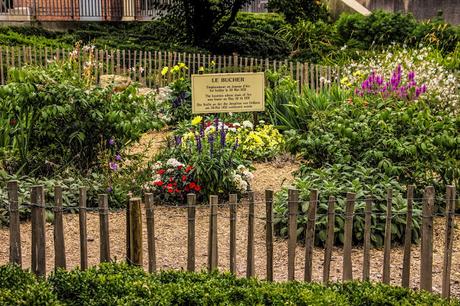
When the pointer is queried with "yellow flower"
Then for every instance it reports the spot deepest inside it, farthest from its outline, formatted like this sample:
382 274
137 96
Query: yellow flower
183 66
197 120
175 68
164 70
201 69
344 80
213 63
357 73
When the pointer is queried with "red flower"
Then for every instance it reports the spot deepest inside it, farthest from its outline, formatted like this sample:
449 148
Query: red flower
197 188
179 167
171 179
170 190
13 122
158 183
170 185
177 190
184 178
161 171
188 169
192 185
187 189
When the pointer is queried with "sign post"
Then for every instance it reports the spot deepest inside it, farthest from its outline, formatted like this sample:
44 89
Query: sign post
228 93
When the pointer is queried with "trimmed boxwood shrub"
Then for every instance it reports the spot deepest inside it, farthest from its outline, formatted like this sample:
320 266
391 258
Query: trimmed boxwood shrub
120 284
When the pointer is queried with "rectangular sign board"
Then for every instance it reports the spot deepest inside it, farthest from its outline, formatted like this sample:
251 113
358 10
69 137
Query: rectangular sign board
228 92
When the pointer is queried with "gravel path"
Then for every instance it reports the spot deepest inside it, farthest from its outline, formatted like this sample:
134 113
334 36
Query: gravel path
171 233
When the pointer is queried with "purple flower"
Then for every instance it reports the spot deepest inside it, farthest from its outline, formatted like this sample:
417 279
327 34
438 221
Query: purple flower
199 146
112 141
216 123
223 136
118 157
411 76
109 189
178 140
423 88
211 140
113 166
235 146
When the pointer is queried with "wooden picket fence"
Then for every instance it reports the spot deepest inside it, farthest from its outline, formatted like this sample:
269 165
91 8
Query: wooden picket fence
134 237
145 66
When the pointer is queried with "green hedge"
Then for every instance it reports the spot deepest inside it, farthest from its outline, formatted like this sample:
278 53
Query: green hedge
119 284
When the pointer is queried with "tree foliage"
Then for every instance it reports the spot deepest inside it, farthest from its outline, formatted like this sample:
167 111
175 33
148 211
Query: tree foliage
295 10
204 21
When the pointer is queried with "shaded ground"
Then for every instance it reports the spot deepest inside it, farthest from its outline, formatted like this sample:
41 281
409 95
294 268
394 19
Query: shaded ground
171 233
150 144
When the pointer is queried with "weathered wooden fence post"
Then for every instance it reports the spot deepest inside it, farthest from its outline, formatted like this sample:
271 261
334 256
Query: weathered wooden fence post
59 243
269 232
212 241
387 242
150 215
293 202
250 249
426 247
310 235
233 202
104 228
83 233
329 239
191 202
447 263
15 231
367 238
135 220
405 277
347 273
38 231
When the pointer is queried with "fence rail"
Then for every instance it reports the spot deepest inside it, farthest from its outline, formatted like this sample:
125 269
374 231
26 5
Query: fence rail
145 66
134 233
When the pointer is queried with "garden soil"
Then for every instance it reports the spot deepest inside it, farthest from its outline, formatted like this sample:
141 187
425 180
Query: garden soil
171 246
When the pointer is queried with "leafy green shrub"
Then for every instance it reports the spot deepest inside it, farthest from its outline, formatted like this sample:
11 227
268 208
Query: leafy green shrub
295 10
367 144
310 41
18 287
382 28
50 117
336 181
379 28
70 181
120 284
254 35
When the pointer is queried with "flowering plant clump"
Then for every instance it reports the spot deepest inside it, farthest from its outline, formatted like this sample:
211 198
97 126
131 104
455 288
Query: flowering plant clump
375 84
175 99
217 163
242 178
254 143
441 85
172 181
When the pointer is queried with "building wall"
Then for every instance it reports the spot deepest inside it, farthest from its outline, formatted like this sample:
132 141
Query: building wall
421 9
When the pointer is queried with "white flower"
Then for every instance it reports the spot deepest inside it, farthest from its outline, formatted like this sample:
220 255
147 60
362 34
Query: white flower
248 124
174 162
236 124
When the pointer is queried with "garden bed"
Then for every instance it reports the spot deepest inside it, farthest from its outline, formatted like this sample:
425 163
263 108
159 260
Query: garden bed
171 230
